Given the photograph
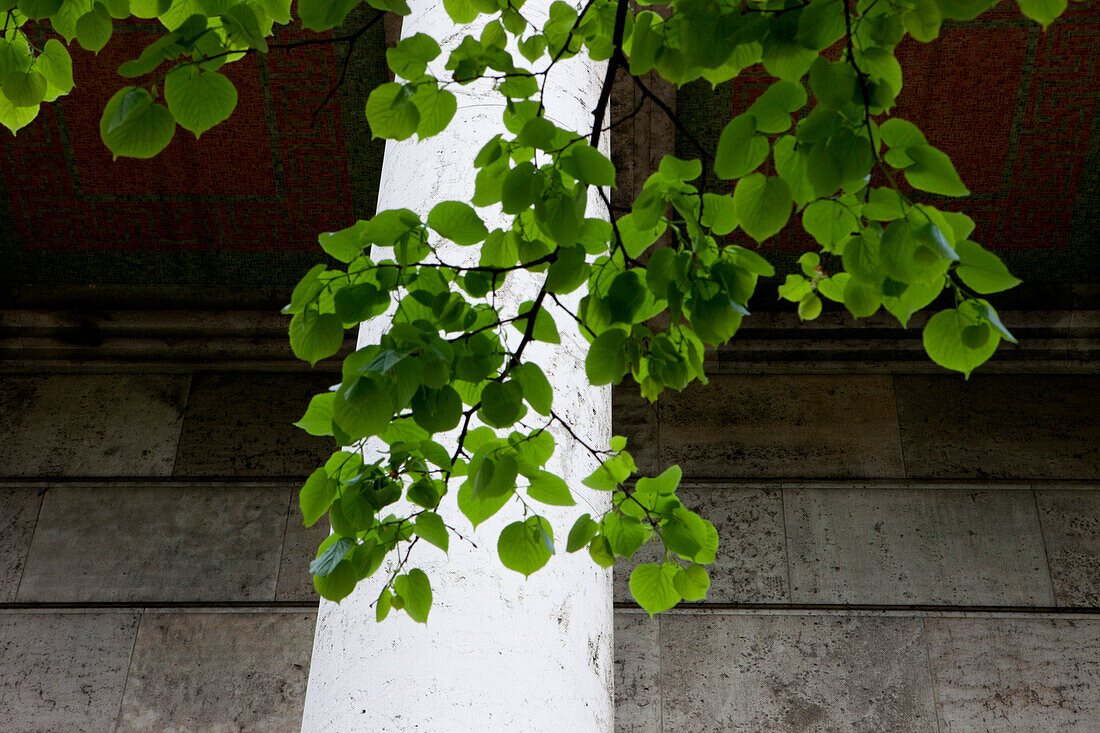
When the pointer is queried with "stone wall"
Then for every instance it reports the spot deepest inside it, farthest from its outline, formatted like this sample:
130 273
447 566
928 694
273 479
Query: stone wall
899 551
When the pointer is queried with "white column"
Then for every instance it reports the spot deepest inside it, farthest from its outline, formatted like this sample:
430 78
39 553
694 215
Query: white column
499 652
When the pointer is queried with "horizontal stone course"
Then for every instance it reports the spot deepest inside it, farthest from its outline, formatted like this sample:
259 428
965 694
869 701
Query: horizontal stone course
242 425
63 671
156 543
91 424
218 672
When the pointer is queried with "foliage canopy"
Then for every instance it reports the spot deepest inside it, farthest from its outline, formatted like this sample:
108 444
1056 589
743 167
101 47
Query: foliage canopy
818 145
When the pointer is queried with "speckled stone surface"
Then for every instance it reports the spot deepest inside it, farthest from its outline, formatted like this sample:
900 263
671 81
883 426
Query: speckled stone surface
1071 527
635 418
299 548
242 425
63 671
736 672
637 673
1016 674
751 564
18 514
90 424
218 672
916 546
803 426
1000 426
156 543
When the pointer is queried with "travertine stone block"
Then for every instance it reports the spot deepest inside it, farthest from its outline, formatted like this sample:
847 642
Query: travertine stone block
299 549
1071 527
91 424
63 671
18 514
634 417
156 543
916 546
218 672
804 426
242 425
735 672
1016 674
637 673
751 565
1000 426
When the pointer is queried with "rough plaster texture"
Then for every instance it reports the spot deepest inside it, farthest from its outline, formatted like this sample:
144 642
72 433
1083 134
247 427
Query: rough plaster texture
221 439
217 672
60 425
733 672
156 543
916 546
540 649
782 426
1071 529
63 671
1016 674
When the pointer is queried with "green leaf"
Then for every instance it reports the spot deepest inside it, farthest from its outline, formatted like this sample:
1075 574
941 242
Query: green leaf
772 109
321 15
461 11
923 21
243 26
862 256
861 298
391 112
536 388
409 58
199 99
339 583
551 489
588 165
15 118
346 244
37 9
330 556
1043 12
981 270
933 171
56 65
692 582
457 222
316 496
664 484
479 506
719 213
653 586
133 126
93 29
763 205
318 417
949 340
829 222
315 336
437 108
526 546
625 534
383 605
501 404
582 532
363 409
607 361
833 83
545 329
437 410
430 527
416 592
740 150
24 88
